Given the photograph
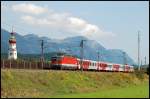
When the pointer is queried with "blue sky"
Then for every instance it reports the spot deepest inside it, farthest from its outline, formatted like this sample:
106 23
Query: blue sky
114 24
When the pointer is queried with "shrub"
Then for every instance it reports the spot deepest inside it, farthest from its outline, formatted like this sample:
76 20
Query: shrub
148 70
139 74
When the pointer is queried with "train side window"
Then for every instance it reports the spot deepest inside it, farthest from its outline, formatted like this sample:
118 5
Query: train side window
109 66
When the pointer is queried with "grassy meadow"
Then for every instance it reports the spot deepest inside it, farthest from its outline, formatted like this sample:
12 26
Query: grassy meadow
54 83
141 91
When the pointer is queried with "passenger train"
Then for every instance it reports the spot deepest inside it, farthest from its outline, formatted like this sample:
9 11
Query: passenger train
73 63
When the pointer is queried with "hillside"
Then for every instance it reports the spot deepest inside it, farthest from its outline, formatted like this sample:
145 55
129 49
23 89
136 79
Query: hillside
50 83
30 44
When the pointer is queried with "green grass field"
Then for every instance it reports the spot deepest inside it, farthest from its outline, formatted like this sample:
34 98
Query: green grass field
141 91
51 83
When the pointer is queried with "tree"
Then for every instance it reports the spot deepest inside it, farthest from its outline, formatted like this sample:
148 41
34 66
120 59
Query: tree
148 70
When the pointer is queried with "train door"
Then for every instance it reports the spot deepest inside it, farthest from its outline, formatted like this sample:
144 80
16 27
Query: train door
78 64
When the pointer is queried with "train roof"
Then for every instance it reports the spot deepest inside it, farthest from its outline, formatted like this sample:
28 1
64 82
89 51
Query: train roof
63 55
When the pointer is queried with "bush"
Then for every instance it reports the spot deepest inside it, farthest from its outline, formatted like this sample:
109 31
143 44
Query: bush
148 70
139 74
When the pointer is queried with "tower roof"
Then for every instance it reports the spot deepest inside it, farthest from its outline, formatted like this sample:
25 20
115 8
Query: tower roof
12 33
12 38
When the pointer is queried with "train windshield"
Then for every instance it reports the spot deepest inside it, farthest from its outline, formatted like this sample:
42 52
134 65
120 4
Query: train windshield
55 58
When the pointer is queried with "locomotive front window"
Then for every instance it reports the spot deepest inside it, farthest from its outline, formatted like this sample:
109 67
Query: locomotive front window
53 59
56 58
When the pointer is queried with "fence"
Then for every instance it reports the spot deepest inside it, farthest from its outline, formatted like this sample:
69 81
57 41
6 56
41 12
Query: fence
21 64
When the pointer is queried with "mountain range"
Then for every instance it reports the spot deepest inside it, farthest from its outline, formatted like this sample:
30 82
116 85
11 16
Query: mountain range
30 44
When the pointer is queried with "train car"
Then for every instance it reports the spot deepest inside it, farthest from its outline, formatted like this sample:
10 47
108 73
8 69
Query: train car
64 62
131 69
86 64
126 68
116 67
92 65
70 62
102 66
109 67
56 62
121 69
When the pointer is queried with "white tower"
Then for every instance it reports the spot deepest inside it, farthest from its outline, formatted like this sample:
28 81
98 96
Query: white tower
12 53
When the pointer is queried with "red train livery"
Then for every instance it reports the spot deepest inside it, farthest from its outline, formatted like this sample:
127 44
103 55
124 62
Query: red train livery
70 62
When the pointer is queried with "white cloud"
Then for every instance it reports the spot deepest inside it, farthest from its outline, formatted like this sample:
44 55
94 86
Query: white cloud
77 22
29 19
29 8
91 28
63 22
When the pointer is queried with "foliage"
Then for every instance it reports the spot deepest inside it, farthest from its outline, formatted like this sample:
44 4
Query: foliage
148 70
140 74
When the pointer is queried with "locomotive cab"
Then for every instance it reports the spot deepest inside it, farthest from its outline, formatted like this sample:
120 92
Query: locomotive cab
64 62
56 62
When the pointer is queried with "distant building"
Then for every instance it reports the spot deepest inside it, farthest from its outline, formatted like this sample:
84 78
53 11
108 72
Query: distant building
12 52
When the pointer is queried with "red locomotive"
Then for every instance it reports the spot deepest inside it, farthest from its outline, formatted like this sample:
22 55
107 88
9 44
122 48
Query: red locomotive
70 62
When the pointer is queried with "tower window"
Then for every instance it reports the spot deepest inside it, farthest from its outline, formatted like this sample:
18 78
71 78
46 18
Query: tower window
10 53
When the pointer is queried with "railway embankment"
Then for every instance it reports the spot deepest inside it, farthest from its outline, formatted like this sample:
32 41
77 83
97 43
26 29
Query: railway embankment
47 83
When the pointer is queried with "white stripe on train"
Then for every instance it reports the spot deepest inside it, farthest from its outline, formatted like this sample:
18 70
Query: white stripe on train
91 67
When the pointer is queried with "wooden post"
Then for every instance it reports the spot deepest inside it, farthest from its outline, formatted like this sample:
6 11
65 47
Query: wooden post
36 64
49 65
10 64
3 64
17 64
24 64
42 65
30 65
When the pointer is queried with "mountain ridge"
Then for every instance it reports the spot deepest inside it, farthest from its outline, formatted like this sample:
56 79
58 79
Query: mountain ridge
30 44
